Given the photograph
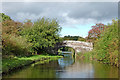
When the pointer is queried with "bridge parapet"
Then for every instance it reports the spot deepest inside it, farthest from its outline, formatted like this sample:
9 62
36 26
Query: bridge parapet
79 46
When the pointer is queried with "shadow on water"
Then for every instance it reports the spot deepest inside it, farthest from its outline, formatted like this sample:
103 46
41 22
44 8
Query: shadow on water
66 67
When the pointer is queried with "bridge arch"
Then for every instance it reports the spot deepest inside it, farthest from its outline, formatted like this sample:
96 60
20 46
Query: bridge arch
78 46
73 52
63 46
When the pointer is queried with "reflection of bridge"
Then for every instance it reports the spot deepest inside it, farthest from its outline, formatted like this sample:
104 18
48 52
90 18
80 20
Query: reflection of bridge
78 46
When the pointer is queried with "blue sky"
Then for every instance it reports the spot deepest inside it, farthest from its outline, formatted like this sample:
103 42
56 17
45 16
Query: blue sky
80 30
75 18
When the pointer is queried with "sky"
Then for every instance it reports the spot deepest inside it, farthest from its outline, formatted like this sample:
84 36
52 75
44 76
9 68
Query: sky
75 18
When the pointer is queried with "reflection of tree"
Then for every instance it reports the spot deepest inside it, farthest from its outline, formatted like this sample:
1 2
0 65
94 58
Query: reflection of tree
105 71
48 70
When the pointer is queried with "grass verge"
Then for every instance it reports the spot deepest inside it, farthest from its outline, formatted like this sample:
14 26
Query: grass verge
17 62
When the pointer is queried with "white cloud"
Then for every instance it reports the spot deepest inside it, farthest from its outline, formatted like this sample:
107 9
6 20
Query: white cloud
95 14
23 16
71 22
71 16
68 14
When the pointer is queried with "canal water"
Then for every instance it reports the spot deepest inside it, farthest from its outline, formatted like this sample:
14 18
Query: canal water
66 67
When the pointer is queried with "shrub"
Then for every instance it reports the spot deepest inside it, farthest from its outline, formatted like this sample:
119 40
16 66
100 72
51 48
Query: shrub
15 45
106 47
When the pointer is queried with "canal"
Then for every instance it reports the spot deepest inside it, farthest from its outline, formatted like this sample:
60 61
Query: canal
66 67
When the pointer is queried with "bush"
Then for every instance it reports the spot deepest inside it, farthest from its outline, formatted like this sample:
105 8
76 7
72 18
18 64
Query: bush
106 47
15 45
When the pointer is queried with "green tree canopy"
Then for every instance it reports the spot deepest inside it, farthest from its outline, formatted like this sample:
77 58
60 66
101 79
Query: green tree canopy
42 34
106 46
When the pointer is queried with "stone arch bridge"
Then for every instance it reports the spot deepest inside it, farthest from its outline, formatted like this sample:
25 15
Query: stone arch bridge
78 46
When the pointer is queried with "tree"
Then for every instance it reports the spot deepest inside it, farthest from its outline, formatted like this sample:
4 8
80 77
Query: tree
71 37
96 31
11 27
107 45
44 33
12 43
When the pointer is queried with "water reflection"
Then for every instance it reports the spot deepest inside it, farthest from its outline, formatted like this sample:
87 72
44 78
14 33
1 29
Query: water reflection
78 70
66 67
66 61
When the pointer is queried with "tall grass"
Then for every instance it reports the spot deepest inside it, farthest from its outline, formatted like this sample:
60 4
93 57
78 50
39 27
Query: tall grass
15 45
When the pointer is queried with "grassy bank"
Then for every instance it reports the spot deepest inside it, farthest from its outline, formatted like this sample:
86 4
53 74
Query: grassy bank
17 62
93 56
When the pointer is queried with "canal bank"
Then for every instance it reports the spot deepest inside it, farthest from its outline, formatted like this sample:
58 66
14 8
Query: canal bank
11 64
89 56
66 67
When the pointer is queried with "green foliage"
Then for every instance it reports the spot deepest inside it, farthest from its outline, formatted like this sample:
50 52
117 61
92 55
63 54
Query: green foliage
76 38
81 39
12 63
71 37
15 45
106 47
42 34
67 49
4 17
12 44
9 64
21 39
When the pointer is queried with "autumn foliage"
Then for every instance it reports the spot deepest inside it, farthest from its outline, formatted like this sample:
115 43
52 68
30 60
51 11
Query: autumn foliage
106 43
95 32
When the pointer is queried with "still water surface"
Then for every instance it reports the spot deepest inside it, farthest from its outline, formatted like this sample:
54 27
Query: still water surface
66 67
